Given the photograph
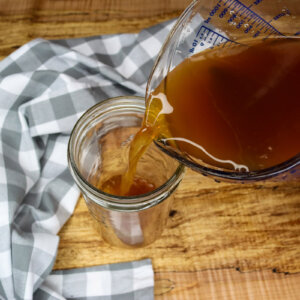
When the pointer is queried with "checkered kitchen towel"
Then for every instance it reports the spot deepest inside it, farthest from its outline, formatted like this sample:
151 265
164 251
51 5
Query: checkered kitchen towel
45 86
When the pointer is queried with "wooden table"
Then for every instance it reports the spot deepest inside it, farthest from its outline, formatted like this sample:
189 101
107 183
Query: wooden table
223 241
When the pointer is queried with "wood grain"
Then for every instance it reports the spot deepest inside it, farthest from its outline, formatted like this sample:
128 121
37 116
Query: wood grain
22 21
222 241
226 284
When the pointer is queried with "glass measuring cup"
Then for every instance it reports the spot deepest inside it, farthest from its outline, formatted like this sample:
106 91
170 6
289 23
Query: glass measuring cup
225 23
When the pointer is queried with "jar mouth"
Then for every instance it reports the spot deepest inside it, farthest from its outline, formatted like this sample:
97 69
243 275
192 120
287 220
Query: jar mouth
138 105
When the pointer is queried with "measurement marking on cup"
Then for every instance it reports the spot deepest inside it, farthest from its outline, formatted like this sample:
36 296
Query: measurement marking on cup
246 12
241 10
205 34
230 10
258 23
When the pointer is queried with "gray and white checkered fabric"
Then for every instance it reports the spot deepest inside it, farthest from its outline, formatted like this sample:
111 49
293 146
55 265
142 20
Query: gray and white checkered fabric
126 281
44 88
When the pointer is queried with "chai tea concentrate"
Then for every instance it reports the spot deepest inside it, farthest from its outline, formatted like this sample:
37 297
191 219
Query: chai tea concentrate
237 109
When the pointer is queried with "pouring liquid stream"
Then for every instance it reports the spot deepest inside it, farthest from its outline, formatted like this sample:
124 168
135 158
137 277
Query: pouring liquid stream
236 109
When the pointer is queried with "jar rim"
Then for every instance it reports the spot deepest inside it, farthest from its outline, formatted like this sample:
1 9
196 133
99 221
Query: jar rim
147 198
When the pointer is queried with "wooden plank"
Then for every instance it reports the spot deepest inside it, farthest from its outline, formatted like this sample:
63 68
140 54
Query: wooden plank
226 284
22 21
119 8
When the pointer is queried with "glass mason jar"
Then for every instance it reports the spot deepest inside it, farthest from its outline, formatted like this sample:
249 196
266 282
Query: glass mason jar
98 151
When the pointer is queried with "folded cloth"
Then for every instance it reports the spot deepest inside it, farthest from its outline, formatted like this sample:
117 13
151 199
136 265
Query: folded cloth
126 281
45 86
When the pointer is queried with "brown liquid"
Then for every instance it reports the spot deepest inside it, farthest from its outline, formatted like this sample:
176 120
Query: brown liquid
243 107
139 186
237 110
